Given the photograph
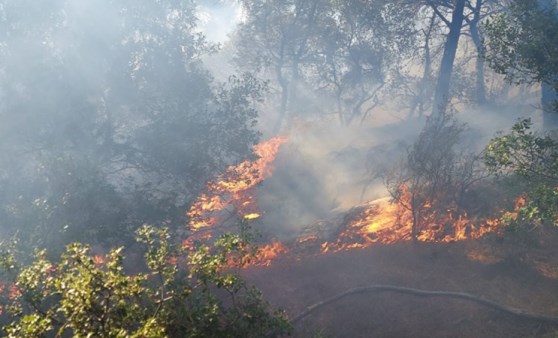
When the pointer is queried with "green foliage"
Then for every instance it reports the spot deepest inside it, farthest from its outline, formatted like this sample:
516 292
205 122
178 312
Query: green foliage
524 153
540 207
114 123
532 158
521 42
182 294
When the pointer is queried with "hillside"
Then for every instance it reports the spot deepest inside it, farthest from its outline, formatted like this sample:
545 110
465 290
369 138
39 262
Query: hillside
490 268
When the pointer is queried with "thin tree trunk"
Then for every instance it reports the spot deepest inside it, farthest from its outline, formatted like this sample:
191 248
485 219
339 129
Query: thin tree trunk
441 97
284 84
549 103
416 212
418 103
480 96
549 97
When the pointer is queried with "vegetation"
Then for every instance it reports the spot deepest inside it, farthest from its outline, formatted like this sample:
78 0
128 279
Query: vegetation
114 115
533 158
520 42
184 293
330 49
435 174
521 45
111 127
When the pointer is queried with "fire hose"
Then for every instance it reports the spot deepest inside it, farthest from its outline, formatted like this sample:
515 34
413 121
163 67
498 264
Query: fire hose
425 293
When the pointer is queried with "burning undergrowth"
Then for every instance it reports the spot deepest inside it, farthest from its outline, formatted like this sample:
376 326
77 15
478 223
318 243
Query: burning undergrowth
385 222
409 215
230 199
233 191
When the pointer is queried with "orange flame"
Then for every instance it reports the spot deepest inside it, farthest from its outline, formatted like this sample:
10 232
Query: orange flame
386 223
518 204
378 222
233 187
99 260
190 243
268 253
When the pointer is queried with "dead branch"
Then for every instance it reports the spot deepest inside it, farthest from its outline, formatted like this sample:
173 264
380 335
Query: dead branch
425 293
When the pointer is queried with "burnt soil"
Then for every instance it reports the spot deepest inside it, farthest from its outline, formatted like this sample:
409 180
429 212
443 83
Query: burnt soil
519 273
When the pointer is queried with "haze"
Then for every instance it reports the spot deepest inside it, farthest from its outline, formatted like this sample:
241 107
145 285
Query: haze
120 113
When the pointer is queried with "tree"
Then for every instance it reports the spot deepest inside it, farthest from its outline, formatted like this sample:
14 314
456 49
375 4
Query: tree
521 45
477 38
275 39
441 95
361 66
421 95
110 119
446 26
184 293
344 52
473 14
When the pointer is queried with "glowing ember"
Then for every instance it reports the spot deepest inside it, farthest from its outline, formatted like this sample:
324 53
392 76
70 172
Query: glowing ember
307 239
546 269
233 188
485 255
190 243
99 260
252 216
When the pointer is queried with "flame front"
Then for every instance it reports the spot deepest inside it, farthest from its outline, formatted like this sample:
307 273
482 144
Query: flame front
379 221
234 188
267 253
384 222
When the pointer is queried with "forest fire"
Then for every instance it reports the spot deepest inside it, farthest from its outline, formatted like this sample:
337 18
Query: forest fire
233 188
385 222
379 222
267 253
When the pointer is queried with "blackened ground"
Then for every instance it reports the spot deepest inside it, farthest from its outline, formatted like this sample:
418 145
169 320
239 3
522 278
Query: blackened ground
520 274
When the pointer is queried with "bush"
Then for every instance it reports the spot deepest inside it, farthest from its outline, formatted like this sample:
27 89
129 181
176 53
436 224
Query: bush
533 159
184 293
435 174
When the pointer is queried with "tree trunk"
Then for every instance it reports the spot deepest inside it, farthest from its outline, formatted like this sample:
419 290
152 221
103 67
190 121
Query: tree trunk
441 96
418 102
284 84
549 97
480 95
416 213
549 101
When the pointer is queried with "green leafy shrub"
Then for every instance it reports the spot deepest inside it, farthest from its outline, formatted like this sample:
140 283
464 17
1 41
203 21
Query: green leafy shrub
532 159
183 293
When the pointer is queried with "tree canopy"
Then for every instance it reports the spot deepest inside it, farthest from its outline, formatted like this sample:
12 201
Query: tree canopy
110 119
521 44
